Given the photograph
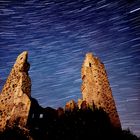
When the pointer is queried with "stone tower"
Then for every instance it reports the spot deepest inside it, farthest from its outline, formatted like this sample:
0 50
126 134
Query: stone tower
96 88
15 95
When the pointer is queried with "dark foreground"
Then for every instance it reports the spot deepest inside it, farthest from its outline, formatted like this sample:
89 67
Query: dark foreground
50 124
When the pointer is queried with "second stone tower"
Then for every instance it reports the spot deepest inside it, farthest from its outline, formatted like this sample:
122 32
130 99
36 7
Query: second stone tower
96 88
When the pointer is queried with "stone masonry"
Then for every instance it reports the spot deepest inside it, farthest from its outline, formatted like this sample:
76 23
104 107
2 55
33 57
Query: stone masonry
15 95
96 88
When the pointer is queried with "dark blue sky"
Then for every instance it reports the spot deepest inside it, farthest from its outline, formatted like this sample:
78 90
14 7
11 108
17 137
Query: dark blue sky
58 33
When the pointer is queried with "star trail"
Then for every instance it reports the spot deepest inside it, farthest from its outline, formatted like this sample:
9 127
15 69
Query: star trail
58 33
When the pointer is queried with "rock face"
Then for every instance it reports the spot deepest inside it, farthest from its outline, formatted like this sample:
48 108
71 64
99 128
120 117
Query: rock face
15 95
95 88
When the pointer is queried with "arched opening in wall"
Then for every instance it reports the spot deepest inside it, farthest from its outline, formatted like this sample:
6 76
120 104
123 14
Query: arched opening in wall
89 64
41 116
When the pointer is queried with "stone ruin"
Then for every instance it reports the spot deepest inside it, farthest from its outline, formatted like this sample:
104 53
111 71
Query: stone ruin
15 97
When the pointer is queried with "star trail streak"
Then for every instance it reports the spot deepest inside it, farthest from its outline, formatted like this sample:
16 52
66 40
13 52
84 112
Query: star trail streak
58 33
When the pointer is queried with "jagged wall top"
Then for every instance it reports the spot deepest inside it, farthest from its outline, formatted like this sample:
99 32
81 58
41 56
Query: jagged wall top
21 63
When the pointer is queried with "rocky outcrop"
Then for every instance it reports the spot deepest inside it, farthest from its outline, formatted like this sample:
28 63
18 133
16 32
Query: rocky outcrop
15 95
96 89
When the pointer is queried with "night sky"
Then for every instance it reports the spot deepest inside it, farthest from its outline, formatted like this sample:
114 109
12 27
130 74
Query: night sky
58 33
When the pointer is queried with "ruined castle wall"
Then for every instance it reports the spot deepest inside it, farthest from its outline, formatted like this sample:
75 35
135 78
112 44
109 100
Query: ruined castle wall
95 87
14 98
